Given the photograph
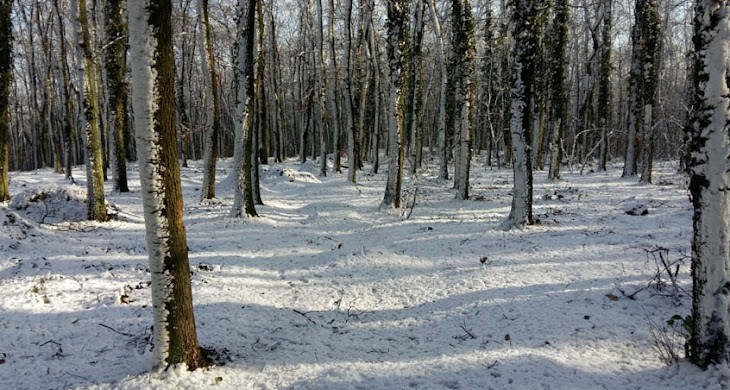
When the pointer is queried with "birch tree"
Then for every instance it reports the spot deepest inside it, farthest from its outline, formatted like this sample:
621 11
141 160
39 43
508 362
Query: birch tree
153 75
6 38
96 208
523 21
708 165
395 25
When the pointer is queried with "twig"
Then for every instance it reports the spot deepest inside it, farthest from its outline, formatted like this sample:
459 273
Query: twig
490 366
631 296
50 341
303 314
468 331
116 331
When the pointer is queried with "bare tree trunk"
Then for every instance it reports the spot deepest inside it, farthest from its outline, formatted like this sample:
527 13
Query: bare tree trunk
397 14
559 99
374 55
708 165
441 127
153 74
212 127
68 106
633 122
6 47
463 31
320 90
604 83
523 22
94 171
243 201
117 87
332 95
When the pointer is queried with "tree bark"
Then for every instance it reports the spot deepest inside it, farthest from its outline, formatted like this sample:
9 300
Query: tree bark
68 106
6 47
441 122
708 165
463 35
604 84
397 14
212 127
523 21
243 201
559 99
116 87
96 208
153 76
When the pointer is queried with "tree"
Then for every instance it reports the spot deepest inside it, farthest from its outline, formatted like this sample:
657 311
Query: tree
397 14
243 201
212 112
320 89
6 38
558 98
651 39
604 83
643 89
441 124
96 208
709 182
68 105
524 22
463 47
153 75
116 86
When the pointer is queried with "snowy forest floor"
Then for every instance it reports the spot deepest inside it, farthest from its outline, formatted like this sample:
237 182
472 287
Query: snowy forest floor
323 291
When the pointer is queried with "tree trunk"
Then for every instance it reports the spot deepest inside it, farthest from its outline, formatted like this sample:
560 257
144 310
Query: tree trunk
96 208
117 88
463 32
651 38
397 14
604 84
212 126
523 22
708 166
441 124
633 122
332 95
243 201
68 106
153 75
320 90
559 99
6 38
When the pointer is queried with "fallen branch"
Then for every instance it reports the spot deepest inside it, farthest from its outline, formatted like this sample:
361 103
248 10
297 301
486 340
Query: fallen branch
116 331
303 314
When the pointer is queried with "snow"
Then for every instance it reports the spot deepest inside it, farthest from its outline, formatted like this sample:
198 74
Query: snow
325 292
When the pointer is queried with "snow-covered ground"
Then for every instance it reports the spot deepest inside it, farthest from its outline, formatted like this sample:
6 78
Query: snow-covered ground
323 291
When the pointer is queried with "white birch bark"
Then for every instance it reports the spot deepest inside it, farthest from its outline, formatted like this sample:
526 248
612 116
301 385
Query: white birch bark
710 187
